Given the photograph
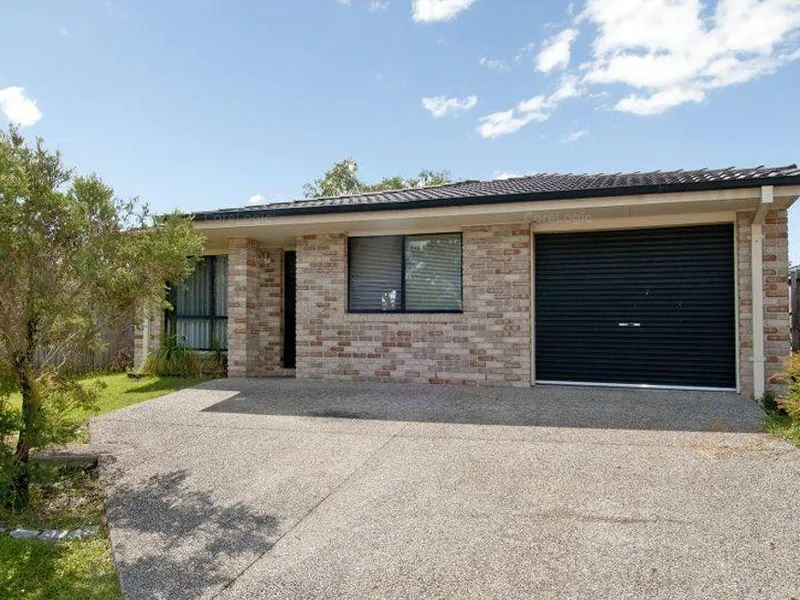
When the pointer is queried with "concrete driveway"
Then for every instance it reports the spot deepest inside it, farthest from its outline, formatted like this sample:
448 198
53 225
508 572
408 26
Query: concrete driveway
279 488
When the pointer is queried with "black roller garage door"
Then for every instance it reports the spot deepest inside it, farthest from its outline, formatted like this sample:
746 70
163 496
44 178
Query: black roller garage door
643 306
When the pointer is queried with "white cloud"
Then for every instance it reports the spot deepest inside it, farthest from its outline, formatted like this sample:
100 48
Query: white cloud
345 2
658 102
556 51
676 51
505 175
378 5
568 88
440 106
17 107
258 198
573 136
438 10
536 109
494 64
659 53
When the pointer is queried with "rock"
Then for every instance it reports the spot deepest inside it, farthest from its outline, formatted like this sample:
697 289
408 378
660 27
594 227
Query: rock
86 532
90 531
53 534
76 456
24 534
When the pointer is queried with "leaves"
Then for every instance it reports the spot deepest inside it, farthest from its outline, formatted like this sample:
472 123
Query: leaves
74 259
342 179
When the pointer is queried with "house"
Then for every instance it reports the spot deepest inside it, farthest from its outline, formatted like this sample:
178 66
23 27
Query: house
671 279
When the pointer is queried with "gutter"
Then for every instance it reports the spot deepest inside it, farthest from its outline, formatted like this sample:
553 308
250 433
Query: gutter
303 208
757 277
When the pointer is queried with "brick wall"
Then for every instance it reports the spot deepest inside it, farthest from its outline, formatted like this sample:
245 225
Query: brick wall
777 344
147 337
255 308
775 261
488 344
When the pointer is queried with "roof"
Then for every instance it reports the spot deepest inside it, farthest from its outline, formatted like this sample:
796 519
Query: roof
540 186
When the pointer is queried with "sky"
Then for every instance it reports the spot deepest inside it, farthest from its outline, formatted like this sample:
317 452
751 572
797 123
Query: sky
209 104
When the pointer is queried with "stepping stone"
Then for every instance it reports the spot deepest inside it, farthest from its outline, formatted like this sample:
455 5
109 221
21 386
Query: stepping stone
24 534
53 534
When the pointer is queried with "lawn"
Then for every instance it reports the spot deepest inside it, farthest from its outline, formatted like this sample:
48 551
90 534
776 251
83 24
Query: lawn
39 570
781 425
121 391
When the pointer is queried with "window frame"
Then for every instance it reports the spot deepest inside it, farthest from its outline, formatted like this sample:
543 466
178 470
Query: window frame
403 310
171 316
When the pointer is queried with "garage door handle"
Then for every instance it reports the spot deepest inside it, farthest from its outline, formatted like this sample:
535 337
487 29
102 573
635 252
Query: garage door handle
630 324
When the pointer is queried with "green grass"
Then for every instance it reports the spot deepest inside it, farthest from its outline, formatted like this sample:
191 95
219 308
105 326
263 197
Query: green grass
121 391
782 426
39 570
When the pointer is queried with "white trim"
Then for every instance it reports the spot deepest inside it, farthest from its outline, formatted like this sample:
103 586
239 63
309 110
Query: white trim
689 199
637 222
532 314
757 277
767 197
637 386
409 231
736 306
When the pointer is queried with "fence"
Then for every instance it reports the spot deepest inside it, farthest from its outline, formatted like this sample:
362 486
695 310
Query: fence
117 353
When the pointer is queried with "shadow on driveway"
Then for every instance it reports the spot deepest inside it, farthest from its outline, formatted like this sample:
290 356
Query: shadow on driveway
538 406
179 541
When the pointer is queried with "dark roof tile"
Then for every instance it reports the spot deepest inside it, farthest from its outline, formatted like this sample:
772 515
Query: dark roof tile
539 186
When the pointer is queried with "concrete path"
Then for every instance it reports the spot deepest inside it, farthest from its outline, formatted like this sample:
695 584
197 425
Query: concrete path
245 489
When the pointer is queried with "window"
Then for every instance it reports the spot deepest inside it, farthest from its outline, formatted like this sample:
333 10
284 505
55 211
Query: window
200 316
405 273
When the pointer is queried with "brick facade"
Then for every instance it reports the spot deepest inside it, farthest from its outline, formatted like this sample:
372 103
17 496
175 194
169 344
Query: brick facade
777 343
147 338
487 344
255 308
775 263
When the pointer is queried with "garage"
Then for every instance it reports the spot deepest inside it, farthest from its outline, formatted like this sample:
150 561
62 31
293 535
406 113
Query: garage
651 307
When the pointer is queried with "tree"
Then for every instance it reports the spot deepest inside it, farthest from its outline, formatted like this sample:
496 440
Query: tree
73 259
342 178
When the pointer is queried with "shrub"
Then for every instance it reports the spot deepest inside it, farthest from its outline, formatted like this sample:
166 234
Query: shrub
769 402
172 360
789 401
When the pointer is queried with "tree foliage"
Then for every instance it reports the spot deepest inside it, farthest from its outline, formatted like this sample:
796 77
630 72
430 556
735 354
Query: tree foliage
342 179
74 259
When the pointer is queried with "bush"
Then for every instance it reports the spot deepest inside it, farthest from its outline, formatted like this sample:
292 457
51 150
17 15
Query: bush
769 402
173 359
789 401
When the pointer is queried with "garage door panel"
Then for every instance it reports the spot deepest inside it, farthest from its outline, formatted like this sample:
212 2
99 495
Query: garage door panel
650 306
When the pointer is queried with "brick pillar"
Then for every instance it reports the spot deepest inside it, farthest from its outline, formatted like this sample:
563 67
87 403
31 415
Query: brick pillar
255 308
745 309
775 264
147 337
321 302
270 336
777 345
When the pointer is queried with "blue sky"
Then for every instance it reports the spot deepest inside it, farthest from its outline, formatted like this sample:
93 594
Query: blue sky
208 104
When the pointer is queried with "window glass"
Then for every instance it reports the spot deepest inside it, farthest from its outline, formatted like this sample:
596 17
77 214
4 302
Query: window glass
433 273
376 273
199 318
419 273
